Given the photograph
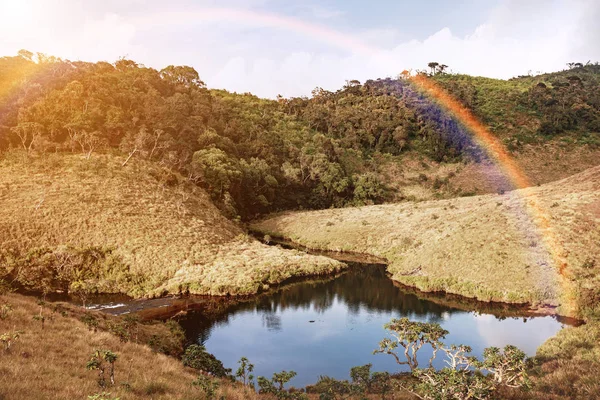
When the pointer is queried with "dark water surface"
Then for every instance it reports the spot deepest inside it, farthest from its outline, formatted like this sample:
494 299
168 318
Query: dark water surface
327 327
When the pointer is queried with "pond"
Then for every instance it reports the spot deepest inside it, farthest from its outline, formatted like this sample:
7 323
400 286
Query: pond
326 327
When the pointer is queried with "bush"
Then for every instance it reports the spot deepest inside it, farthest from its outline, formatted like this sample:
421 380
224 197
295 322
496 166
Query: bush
197 357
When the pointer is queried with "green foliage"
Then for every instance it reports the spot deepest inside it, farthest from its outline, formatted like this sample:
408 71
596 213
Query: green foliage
276 384
8 339
100 360
197 357
449 384
120 330
80 271
411 336
363 383
244 371
256 155
90 321
5 310
464 377
207 385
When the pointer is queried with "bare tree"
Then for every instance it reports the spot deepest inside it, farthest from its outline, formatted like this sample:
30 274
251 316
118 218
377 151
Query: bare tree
29 133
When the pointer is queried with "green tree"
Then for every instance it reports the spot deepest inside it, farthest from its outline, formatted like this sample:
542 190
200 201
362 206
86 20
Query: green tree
411 336
244 372
100 360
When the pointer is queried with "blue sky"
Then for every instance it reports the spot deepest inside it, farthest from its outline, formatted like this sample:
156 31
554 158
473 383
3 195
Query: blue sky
286 47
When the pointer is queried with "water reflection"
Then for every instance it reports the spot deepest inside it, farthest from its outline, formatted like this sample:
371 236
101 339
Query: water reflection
325 328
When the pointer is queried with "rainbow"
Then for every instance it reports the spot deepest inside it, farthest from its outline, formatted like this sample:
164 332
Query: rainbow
493 147
483 138
319 33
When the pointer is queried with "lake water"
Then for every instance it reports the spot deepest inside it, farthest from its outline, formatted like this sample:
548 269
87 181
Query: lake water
327 327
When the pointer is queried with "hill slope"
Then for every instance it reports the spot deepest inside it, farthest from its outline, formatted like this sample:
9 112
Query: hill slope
49 362
490 247
83 224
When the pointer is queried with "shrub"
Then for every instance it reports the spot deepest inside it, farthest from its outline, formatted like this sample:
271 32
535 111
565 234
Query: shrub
90 321
197 357
99 361
207 385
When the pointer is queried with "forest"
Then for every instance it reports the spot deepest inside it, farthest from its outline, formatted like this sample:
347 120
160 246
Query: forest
257 155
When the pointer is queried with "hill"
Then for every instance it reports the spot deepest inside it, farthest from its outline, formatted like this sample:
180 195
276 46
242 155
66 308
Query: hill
491 247
48 361
365 143
81 225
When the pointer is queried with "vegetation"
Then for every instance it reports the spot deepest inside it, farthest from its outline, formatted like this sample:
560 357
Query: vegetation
122 178
484 247
87 226
254 155
197 357
52 362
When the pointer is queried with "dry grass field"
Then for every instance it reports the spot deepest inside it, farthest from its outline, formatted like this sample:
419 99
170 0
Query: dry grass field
491 247
49 362
155 231
415 178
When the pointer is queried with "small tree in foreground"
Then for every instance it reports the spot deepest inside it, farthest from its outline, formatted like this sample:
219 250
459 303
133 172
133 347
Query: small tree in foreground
411 336
100 361
9 338
276 384
197 357
207 385
244 372
363 383
465 376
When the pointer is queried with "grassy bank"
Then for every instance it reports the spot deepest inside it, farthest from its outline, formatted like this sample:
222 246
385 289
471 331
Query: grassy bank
491 247
70 223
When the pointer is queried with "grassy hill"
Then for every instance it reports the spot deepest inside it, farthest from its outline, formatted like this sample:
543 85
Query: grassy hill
70 223
490 247
49 361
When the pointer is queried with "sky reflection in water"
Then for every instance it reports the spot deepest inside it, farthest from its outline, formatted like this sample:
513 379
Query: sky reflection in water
275 333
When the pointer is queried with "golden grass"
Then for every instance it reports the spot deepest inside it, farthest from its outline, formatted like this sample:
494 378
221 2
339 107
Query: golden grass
541 163
490 247
164 229
415 178
50 363
570 365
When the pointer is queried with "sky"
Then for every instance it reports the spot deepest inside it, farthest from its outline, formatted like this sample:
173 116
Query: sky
271 47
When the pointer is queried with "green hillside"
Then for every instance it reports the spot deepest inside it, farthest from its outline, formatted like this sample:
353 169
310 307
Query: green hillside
382 140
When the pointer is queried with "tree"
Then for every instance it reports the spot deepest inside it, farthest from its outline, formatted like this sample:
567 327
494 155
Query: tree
244 372
28 133
26 54
217 170
441 68
464 377
276 385
411 336
9 338
98 361
181 75
207 385
433 65
508 367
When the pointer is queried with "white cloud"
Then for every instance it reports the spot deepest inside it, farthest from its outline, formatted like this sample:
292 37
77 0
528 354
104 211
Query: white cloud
518 38
268 57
